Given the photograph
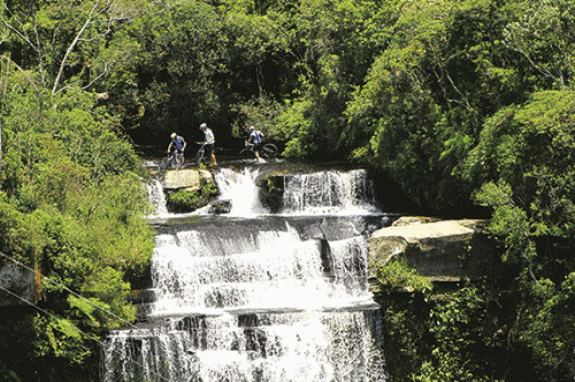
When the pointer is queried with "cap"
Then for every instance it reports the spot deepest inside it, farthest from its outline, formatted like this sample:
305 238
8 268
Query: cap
203 126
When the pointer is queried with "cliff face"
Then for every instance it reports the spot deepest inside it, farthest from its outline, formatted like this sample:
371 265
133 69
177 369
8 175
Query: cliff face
20 283
442 251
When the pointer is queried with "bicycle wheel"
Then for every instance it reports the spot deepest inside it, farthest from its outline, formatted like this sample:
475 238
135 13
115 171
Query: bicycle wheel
245 152
164 163
178 161
269 150
199 158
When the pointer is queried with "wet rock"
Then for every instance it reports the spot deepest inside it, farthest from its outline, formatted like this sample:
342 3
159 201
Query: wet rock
272 189
220 207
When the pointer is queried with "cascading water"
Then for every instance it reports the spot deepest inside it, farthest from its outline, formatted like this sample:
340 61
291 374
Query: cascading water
259 298
157 197
328 192
240 188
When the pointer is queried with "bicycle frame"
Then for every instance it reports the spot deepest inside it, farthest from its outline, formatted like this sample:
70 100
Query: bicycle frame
267 150
200 155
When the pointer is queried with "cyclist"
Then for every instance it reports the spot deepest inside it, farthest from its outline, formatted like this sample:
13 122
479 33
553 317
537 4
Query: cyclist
209 143
256 139
178 144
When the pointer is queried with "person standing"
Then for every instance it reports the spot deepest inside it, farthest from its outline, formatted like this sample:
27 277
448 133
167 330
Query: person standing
209 143
177 143
256 139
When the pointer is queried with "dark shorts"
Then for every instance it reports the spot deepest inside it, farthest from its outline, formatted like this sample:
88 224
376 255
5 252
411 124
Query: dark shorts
209 149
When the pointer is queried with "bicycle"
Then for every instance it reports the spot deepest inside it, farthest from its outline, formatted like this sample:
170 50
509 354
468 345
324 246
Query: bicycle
173 161
200 157
267 150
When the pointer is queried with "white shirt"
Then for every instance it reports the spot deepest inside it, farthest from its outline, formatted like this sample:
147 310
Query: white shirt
210 138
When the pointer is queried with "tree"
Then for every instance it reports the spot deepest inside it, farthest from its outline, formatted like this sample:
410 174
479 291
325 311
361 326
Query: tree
544 37
524 159
63 40
72 210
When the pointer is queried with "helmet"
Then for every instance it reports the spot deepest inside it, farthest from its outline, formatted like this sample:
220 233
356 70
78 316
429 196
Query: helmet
251 129
173 136
203 126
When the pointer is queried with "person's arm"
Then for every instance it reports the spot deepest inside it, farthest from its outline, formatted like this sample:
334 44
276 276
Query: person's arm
170 146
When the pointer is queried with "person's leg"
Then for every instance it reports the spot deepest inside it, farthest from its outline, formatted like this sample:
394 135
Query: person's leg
257 149
213 161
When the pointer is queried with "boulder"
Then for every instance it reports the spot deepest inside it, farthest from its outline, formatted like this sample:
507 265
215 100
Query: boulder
220 207
187 179
21 284
442 251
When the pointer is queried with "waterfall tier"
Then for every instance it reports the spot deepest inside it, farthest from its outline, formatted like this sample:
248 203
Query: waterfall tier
258 297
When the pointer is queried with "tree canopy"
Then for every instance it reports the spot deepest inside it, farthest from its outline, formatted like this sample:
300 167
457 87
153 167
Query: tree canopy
466 105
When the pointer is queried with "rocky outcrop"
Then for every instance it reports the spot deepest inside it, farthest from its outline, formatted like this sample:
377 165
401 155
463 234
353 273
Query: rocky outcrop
442 251
220 207
19 284
188 189
187 179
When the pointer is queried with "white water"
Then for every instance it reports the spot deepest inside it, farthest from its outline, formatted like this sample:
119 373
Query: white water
239 187
157 197
321 193
254 300
328 193
290 347
271 270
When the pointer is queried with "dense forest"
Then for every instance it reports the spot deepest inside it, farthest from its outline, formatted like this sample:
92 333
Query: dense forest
466 105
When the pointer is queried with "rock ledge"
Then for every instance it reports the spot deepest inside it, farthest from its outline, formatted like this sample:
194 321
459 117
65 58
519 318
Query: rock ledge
442 251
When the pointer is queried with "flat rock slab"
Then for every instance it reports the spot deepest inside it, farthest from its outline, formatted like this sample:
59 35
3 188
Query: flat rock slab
412 233
189 179
438 250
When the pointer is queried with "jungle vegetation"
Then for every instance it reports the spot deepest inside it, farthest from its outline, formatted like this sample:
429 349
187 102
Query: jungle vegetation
466 105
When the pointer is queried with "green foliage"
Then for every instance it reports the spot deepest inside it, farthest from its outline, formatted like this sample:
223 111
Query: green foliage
72 206
457 101
458 328
543 37
547 326
397 275
524 158
187 201
262 112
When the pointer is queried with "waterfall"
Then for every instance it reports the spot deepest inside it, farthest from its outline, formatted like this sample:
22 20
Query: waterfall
157 197
240 188
320 193
268 270
328 192
289 347
255 297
